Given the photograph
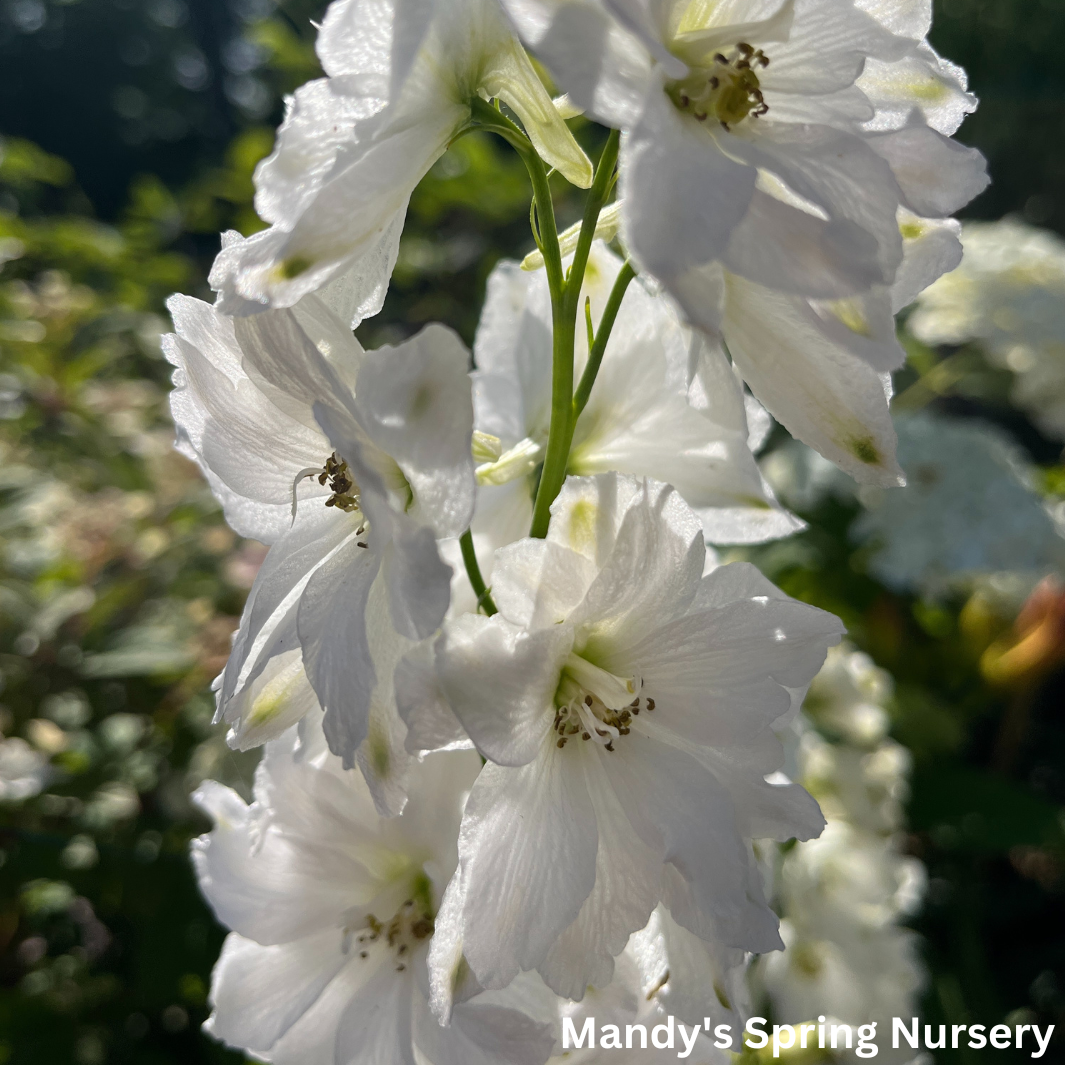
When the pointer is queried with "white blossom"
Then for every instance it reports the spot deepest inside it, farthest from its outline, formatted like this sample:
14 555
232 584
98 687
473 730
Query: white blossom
332 907
24 771
401 76
968 510
349 464
644 416
769 180
1008 296
664 970
625 703
842 897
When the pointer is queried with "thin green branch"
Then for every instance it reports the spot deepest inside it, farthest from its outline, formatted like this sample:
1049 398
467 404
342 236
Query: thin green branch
597 349
545 231
473 571
565 301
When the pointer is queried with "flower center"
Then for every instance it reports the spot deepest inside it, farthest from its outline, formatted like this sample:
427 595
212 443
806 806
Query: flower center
345 491
594 704
728 90
341 484
409 927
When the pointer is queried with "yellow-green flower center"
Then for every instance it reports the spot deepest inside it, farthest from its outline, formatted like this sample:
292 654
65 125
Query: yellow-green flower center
728 90
595 705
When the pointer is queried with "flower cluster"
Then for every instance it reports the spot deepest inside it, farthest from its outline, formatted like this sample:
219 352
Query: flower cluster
514 560
843 897
1008 297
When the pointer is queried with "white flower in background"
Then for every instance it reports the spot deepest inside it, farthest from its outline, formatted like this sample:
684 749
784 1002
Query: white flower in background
24 771
968 509
625 703
332 909
642 417
862 785
350 464
769 179
845 952
847 697
842 896
1008 296
402 74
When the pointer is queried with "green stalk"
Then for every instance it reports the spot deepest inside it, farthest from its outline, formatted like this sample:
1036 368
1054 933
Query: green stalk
597 349
565 303
473 571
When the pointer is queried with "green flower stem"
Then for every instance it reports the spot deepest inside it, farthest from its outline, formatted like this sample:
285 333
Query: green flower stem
491 118
597 348
565 303
473 571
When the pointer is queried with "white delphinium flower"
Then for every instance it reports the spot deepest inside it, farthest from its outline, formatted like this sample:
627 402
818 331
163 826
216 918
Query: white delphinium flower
1008 296
642 417
968 510
864 786
847 697
332 908
349 464
765 184
401 78
842 896
845 952
625 703
24 771
664 970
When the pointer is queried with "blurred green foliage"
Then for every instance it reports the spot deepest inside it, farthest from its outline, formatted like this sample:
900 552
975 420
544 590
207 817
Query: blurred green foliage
120 584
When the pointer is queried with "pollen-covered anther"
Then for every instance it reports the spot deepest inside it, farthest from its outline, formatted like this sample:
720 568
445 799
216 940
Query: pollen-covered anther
728 90
345 491
406 929
585 711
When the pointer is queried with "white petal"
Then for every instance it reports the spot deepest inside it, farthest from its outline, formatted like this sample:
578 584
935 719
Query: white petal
321 119
822 393
353 223
527 847
719 676
375 1028
766 811
910 18
925 81
249 450
679 808
683 197
415 404
511 77
932 247
703 979
258 993
482 1033
649 575
781 247
501 682
845 178
537 583
333 633
383 758
627 887
267 627
937 176
602 66
256 881
423 706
